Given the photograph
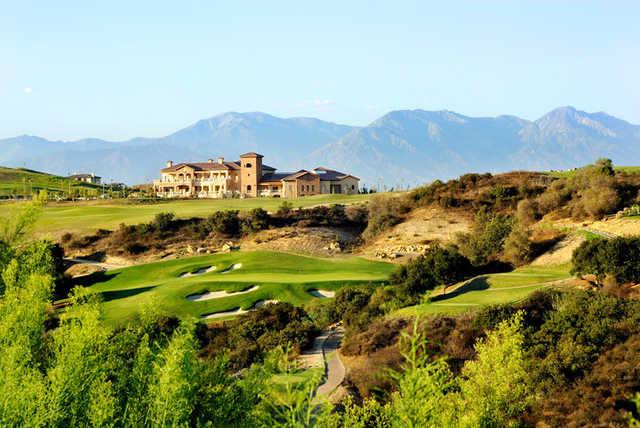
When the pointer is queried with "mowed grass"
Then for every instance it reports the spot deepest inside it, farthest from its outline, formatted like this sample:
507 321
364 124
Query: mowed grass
20 181
88 216
279 276
490 289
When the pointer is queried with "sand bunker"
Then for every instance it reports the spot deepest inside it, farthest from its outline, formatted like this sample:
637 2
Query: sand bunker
198 272
261 303
232 267
240 311
219 294
224 314
322 293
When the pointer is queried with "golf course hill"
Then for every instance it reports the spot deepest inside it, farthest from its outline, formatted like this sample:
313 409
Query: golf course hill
203 286
21 182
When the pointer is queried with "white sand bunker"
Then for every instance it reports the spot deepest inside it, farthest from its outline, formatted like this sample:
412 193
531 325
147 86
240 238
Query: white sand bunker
232 267
322 293
198 272
261 303
240 311
219 294
224 314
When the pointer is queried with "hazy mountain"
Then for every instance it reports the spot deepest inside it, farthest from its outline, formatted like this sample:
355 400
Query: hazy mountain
283 141
415 146
405 147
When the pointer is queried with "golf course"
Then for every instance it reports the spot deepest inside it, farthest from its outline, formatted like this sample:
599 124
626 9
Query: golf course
490 289
208 285
88 216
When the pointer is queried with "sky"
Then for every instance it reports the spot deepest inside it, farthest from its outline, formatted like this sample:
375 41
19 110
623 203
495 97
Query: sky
119 69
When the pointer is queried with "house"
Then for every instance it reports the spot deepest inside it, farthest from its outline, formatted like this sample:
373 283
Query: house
87 178
248 177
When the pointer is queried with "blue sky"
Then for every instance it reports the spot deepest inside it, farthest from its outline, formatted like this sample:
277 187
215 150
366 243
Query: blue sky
118 69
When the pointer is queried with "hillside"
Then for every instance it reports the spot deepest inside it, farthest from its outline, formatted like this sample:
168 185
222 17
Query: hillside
402 148
20 181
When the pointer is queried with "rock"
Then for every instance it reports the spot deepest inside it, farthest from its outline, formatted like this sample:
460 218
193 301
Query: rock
202 250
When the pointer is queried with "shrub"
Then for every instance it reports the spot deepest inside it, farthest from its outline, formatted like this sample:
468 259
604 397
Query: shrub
226 223
486 239
518 249
385 212
617 257
256 220
438 266
162 221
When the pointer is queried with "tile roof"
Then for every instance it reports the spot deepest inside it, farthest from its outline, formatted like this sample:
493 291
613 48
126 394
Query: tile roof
251 155
203 166
327 174
298 174
275 176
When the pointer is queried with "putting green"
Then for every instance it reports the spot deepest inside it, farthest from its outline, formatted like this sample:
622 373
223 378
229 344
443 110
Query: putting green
278 276
491 289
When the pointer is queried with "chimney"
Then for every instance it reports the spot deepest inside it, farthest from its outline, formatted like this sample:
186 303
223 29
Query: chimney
209 160
169 164
221 160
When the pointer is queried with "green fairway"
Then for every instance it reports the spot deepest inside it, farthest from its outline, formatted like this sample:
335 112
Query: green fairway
491 289
278 276
85 217
25 182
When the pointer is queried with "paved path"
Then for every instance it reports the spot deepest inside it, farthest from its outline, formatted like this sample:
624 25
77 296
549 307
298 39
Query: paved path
607 235
335 370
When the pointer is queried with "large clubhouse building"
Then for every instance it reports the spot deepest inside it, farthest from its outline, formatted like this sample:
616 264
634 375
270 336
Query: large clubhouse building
248 177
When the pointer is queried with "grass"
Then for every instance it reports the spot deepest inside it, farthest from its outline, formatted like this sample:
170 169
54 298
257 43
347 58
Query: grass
21 182
88 216
571 172
490 289
280 276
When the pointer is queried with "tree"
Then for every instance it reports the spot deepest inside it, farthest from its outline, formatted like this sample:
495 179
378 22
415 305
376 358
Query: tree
517 247
494 387
175 380
423 385
438 266
486 239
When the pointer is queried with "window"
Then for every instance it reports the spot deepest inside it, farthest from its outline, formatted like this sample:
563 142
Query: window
248 187
247 165
313 188
353 187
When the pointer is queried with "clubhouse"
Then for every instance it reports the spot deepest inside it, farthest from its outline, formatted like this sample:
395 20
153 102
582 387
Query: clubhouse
248 177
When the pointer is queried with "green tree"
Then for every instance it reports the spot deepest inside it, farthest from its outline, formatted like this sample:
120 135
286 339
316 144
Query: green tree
175 380
423 385
494 388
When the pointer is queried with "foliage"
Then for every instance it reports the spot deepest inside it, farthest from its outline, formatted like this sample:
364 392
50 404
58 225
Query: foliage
485 241
438 266
385 212
255 220
617 257
518 249
494 388
423 385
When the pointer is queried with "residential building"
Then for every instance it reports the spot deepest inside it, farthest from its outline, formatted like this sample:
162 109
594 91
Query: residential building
87 178
248 177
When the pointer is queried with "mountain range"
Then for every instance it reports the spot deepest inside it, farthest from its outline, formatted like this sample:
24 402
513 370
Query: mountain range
401 148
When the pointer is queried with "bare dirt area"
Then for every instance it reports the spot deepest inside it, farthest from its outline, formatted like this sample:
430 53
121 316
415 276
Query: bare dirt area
623 226
561 252
317 241
423 227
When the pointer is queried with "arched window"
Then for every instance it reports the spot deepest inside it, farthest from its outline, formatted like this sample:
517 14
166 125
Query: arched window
248 187
248 165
